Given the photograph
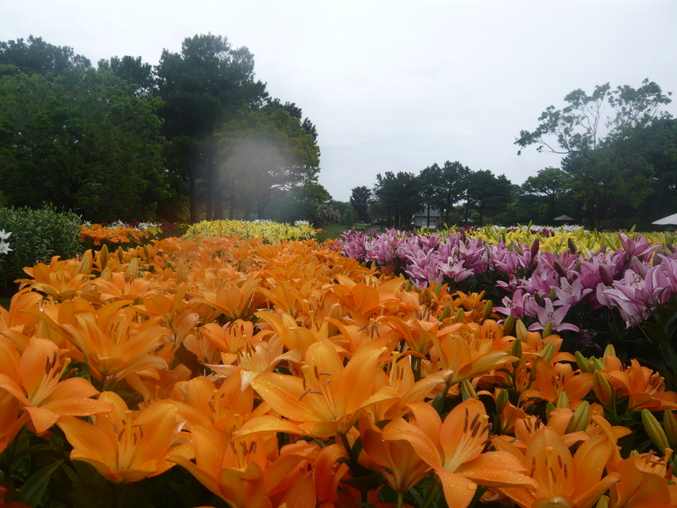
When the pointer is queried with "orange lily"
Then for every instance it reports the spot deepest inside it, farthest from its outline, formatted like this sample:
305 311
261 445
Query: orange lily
454 449
397 461
644 388
563 480
12 419
126 446
647 482
234 301
551 380
238 461
34 379
330 396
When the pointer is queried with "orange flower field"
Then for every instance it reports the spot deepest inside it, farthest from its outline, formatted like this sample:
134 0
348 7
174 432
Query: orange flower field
289 375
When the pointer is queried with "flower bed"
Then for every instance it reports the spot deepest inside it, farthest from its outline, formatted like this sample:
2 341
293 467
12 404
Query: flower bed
290 375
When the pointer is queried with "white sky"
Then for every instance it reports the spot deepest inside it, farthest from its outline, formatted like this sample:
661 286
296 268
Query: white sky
394 85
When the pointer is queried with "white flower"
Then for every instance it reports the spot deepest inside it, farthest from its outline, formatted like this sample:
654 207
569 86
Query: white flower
3 235
4 247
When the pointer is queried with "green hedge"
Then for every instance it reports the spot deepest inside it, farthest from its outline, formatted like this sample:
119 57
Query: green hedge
37 235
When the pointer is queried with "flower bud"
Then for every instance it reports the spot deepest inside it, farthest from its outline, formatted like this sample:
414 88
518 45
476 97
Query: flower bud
539 299
460 316
516 349
467 390
597 364
488 309
582 362
548 351
602 388
580 419
85 265
603 502
181 275
606 276
572 245
120 253
132 269
655 431
561 271
609 350
562 400
447 311
508 325
501 401
670 427
521 331
549 408
103 257
547 330
534 248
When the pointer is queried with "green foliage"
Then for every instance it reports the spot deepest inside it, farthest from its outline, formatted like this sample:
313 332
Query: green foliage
360 200
37 235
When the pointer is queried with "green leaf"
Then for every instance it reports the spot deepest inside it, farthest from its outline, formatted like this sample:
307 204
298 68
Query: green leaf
32 491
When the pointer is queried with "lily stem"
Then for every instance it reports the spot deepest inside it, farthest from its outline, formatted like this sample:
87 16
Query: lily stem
431 495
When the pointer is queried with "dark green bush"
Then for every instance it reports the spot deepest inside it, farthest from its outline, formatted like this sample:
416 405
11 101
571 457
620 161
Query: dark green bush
37 235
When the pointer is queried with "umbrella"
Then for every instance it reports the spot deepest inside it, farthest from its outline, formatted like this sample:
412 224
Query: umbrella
670 219
564 217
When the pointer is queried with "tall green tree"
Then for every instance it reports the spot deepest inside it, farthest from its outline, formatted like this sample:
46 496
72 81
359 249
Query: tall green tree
603 173
487 193
551 184
262 153
359 199
82 141
202 87
397 197
35 56
133 71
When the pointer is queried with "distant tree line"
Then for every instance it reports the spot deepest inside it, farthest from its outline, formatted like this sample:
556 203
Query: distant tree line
619 169
195 136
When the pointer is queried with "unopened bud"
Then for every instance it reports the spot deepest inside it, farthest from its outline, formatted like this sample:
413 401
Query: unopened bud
103 257
460 316
132 269
534 248
516 349
539 299
548 351
553 293
580 419
603 502
467 390
447 312
181 275
609 350
120 253
572 245
549 408
521 329
488 309
597 364
561 271
602 388
655 431
85 265
508 325
501 401
562 400
670 427
547 330
582 362
606 276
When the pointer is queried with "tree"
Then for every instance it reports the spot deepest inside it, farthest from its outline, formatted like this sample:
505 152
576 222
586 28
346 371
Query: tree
263 153
82 141
602 173
202 87
38 57
359 198
133 71
397 197
549 183
487 193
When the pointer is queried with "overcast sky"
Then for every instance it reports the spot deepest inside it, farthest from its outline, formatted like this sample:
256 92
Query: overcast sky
394 85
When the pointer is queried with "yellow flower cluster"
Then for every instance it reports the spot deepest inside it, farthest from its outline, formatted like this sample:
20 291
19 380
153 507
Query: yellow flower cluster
557 240
273 232
288 375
